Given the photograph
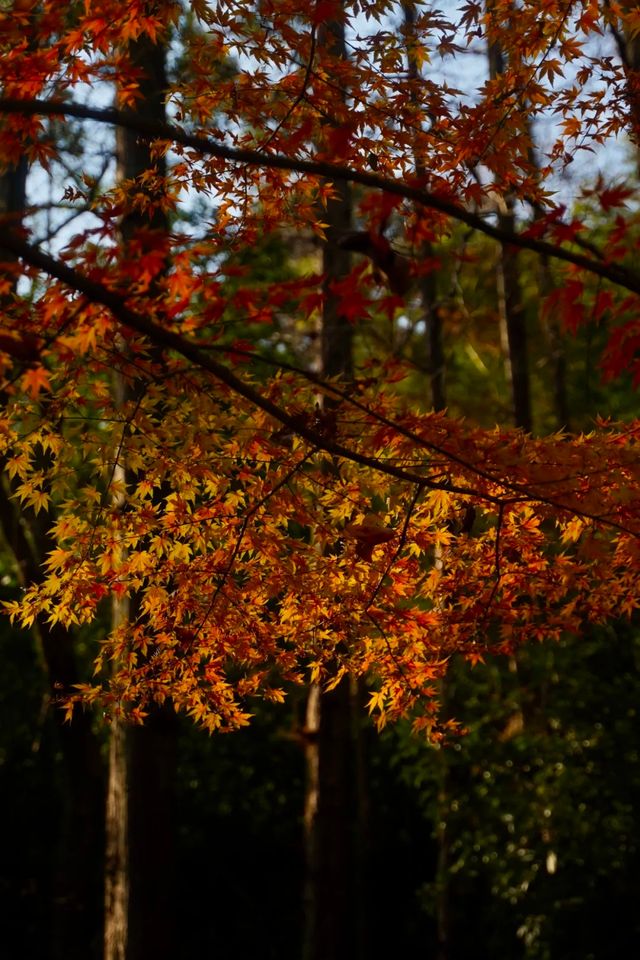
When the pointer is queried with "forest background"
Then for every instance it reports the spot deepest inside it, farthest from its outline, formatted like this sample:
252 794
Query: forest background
304 655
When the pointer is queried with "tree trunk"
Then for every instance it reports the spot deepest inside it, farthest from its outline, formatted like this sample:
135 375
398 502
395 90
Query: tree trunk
139 887
334 825
557 354
628 44
116 874
436 366
335 804
77 912
337 332
152 767
428 287
512 318
514 329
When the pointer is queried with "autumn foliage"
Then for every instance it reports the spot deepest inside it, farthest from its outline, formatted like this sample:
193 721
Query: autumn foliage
274 527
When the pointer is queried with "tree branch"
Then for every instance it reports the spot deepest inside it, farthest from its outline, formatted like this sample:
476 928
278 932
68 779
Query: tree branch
167 339
151 130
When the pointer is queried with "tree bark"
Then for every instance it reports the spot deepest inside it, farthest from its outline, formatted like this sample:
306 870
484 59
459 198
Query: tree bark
428 287
514 329
557 353
152 887
510 306
335 834
337 332
628 44
139 889
334 842
116 874
428 290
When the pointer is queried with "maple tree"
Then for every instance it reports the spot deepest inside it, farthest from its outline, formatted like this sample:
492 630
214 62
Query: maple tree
273 525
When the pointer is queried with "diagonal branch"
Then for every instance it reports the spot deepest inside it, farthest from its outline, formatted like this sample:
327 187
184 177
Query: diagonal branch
151 130
167 339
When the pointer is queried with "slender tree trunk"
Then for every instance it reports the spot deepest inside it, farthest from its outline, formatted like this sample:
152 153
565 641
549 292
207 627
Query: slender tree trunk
428 290
337 332
152 882
140 882
514 328
13 186
116 874
552 329
116 878
332 925
428 287
628 44
557 353
510 307
336 825
435 348
311 800
77 913
512 318
335 805
335 837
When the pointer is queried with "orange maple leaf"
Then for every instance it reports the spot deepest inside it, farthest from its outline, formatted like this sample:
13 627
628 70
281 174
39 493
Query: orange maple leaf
35 380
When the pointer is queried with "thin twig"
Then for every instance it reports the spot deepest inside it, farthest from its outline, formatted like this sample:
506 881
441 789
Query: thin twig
299 97
243 527
396 553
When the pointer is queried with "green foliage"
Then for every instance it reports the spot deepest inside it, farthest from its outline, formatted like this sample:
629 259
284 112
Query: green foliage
540 799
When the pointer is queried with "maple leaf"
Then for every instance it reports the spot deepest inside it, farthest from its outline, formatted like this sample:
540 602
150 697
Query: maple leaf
35 380
217 496
613 197
338 141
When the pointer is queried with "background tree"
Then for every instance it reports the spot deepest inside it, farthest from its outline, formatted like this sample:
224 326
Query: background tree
333 805
72 771
139 879
243 488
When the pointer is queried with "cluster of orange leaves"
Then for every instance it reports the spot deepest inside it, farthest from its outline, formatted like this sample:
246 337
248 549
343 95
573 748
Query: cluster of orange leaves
252 559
